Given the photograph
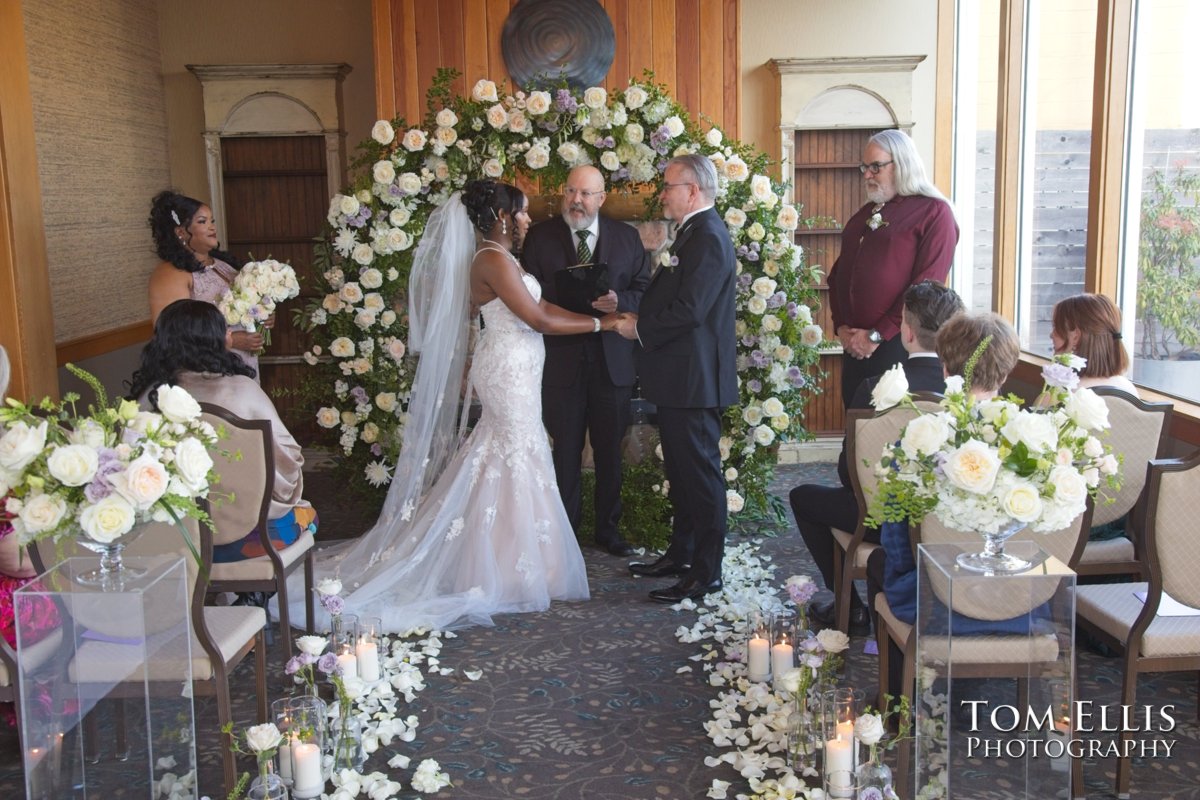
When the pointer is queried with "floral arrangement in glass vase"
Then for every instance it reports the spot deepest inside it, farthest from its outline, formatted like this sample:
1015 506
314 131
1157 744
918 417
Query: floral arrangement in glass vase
97 474
257 289
873 778
992 466
261 741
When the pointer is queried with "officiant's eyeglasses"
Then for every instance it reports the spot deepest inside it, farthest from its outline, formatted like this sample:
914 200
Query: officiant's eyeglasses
586 195
873 167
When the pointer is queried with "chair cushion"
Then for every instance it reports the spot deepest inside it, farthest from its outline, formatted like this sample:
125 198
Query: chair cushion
1118 549
1113 608
231 627
860 555
261 568
987 649
32 656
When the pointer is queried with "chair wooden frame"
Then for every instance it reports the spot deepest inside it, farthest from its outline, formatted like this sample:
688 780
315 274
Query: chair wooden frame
219 685
846 553
1131 647
1128 509
280 571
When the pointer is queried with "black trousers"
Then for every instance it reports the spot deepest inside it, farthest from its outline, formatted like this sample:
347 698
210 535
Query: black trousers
692 460
590 405
818 509
886 355
875 566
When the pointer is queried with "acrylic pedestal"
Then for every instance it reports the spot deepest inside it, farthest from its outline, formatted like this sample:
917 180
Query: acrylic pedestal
106 697
994 661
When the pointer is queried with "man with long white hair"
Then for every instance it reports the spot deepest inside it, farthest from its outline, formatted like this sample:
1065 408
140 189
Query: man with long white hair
904 234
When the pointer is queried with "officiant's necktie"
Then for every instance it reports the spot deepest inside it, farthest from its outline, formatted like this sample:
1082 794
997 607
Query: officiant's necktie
583 252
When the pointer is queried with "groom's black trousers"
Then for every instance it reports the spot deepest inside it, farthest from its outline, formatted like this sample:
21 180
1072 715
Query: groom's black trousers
692 459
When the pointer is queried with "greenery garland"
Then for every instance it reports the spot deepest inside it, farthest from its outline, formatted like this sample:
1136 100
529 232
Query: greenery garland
362 370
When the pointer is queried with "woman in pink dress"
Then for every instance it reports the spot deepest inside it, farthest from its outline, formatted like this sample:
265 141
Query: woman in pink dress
193 267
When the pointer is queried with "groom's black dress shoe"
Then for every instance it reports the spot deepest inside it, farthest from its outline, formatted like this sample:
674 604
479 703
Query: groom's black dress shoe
686 589
617 547
663 568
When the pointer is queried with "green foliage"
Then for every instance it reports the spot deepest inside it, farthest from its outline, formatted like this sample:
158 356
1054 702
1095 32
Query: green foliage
1169 264
645 509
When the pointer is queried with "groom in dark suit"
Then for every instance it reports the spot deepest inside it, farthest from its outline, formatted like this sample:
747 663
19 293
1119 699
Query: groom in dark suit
588 378
687 366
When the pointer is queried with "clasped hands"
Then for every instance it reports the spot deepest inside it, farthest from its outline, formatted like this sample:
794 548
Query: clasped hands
623 322
250 342
856 341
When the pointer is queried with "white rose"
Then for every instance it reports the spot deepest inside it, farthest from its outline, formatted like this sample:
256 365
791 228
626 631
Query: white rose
384 172
674 126
725 445
756 231
569 152
610 161
311 645
88 432
371 278
890 390
764 436
446 118
350 205
760 188
973 467
1092 447
497 117
925 435
735 217
386 401
1022 502
635 97
373 302
537 157
329 586
770 324
1109 464
595 97
398 240
713 137
811 335
341 347
74 464
753 415
399 216
772 407
868 729
364 319
1037 431
756 305
176 404
42 512
833 640
780 422
363 253
736 169
1070 488
517 123
783 353
143 482
538 103
493 168
192 463
954 384
383 132
734 502
328 417
634 133
787 218
731 475
351 293
261 738
409 183
763 287
108 520
1087 409
484 91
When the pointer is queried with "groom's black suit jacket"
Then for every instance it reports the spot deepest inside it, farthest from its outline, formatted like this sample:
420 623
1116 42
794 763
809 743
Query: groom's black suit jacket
550 247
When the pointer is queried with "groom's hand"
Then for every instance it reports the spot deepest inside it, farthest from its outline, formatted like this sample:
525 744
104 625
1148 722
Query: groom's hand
627 325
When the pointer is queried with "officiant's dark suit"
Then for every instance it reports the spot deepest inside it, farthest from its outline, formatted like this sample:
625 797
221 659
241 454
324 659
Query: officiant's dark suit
588 378
687 367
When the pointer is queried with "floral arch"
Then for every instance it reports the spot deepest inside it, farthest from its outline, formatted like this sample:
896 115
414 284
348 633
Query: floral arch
363 261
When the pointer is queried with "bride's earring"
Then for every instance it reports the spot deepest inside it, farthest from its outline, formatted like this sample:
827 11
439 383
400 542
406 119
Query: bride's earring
503 228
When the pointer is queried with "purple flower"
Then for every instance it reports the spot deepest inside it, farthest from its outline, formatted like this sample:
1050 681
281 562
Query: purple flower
333 604
376 450
328 663
777 299
752 255
564 101
293 665
754 385
395 190
548 125
758 358
621 175
610 141
749 340
744 281
359 394
792 310
802 593
1061 376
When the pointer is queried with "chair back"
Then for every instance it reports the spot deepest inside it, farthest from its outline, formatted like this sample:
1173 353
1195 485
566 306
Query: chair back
245 462
1138 434
868 432
1171 510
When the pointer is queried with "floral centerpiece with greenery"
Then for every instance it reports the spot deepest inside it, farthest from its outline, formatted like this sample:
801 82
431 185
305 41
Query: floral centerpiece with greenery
65 472
988 465
408 168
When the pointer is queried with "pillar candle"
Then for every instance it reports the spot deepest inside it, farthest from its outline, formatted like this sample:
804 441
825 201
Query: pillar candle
845 730
839 766
367 654
759 664
349 665
306 770
781 658
285 757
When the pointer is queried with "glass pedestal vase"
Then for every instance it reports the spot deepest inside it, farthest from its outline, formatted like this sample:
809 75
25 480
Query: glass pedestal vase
802 739
347 749
993 559
873 780
113 572
267 787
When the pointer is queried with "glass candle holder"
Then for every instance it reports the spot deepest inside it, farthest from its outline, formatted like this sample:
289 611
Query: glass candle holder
367 648
839 710
343 640
302 721
783 645
758 646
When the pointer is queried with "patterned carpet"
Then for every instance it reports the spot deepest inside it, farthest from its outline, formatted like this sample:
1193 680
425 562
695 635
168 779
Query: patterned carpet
600 700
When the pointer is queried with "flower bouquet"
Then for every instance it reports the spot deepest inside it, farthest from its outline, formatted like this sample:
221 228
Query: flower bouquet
98 474
257 289
991 465
262 741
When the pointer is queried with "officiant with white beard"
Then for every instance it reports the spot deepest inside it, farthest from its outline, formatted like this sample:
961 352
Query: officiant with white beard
588 380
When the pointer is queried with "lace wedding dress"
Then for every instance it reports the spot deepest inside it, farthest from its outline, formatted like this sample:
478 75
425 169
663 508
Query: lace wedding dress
491 535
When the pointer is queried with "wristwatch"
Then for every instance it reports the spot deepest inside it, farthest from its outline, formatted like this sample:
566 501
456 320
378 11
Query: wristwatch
874 337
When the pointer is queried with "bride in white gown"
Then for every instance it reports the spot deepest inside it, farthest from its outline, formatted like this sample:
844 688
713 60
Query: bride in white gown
480 529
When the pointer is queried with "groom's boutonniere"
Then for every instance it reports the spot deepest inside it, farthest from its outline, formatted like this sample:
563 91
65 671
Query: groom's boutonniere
668 261
876 220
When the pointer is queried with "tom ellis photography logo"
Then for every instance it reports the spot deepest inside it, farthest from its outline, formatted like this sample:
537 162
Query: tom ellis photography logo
1020 731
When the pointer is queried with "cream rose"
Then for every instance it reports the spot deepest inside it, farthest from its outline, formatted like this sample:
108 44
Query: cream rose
756 231
764 436
569 152
1070 488
787 218
595 97
537 103
370 433
760 188
517 123
635 97
713 137
497 117
753 415
328 417
446 136
399 216
925 435
973 467
890 390
772 407
537 157
770 324
736 169
735 217
373 302
350 205
386 401
764 287
780 422
383 132
756 305
634 133
811 335
725 445
108 520
1037 431
176 404
73 464
351 293
384 172
341 347
446 118
1022 502
363 254
409 183
609 160
493 168
42 512
484 91
143 482
371 278
734 502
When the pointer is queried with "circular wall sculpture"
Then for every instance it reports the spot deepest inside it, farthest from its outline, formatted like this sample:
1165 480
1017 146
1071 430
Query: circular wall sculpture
553 39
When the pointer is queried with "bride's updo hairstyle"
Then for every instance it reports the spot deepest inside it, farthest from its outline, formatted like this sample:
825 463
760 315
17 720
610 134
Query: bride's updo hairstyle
485 199
168 211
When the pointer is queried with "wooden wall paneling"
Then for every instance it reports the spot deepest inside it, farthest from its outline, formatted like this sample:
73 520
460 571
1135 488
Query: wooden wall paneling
712 79
664 53
385 59
621 71
733 64
475 43
453 49
641 38
497 12
687 54
409 104
430 37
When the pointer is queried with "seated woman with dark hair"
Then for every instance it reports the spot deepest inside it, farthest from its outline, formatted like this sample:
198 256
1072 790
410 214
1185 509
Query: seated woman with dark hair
190 348
1089 325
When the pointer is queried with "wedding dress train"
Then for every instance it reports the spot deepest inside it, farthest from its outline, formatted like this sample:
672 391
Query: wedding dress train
491 535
